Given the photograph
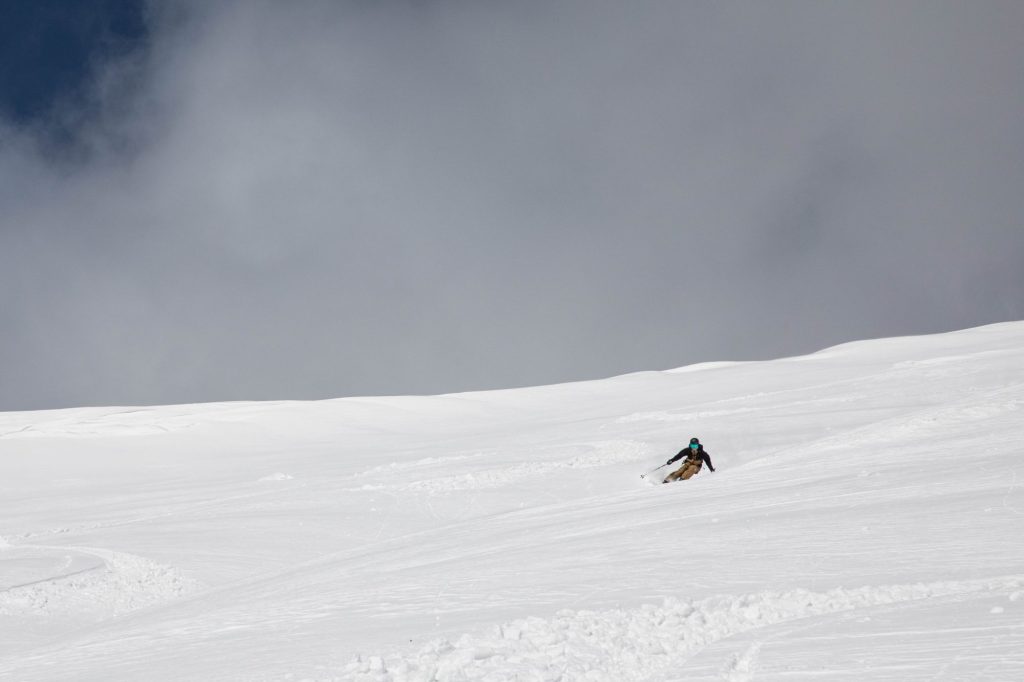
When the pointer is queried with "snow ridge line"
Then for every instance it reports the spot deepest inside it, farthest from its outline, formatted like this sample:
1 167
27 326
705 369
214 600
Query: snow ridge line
645 643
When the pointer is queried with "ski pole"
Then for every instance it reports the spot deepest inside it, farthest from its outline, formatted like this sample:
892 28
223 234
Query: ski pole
653 470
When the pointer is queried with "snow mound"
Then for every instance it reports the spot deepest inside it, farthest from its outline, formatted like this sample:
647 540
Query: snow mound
639 644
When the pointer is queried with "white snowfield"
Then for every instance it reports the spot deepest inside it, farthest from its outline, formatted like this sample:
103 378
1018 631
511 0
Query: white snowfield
865 522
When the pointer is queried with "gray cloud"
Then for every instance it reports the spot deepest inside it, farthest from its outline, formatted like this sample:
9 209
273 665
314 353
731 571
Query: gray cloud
322 199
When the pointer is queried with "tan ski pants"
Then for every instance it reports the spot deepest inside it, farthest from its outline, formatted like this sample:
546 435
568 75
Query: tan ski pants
684 472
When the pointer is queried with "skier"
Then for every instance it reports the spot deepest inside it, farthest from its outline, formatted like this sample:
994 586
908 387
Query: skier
695 457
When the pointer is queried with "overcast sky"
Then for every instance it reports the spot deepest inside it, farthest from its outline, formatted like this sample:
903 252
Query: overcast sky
261 200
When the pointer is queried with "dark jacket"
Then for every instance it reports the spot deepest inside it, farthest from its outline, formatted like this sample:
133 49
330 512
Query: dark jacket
700 454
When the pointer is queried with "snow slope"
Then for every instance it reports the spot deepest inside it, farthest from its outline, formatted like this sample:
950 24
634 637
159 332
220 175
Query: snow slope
865 523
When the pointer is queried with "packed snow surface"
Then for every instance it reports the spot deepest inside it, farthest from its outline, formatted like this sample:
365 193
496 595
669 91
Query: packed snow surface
865 522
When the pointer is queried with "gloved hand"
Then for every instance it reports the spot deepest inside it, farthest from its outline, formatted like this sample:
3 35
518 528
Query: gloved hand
668 462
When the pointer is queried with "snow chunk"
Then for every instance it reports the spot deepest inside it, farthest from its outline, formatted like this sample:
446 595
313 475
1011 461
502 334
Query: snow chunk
276 477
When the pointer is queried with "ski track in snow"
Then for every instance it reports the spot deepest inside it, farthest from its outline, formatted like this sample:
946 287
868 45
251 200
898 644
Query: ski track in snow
190 508
89 582
591 455
647 643
142 422
702 415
